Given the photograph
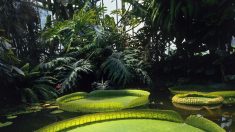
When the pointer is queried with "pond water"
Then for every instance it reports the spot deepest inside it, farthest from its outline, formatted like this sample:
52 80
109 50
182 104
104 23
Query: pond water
28 122
224 116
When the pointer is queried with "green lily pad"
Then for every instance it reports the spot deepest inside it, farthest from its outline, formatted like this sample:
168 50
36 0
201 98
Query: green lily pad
196 108
134 121
57 111
130 125
52 107
5 124
11 116
229 101
197 99
103 100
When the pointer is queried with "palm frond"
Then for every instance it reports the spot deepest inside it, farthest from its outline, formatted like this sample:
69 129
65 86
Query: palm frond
28 95
75 71
45 92
46 80
116 70
57 61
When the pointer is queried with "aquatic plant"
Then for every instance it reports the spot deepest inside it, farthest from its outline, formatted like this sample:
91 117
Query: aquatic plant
102 100
159 118
203 123
5 124
197 99
187 89
197 107
229 96
218 90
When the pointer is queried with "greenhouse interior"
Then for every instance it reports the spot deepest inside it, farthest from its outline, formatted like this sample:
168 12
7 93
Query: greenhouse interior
117 66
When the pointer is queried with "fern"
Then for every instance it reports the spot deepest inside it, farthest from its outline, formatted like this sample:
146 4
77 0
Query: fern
46 80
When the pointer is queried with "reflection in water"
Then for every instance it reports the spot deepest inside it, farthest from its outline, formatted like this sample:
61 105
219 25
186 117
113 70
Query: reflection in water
226 121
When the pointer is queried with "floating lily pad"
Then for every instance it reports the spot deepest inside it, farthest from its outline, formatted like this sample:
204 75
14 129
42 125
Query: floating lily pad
134 121
11 116
196 107
130 125
5 124
220 90
57 111
103 100
229 96
52 107
46 105
197 99
229 101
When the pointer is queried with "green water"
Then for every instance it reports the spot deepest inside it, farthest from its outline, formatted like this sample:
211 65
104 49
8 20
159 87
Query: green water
28 122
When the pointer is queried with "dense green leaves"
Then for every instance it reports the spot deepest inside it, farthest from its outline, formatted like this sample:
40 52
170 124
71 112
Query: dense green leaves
126 66
92 41
116 69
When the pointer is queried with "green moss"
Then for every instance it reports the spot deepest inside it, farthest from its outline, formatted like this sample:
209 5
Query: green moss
203 124
197 99
103 100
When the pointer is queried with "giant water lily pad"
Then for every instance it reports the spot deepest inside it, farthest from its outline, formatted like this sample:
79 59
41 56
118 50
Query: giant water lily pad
134 121
197 107
197 99
11 116
130 125
5 124
229 96
103 100
57 112
227 91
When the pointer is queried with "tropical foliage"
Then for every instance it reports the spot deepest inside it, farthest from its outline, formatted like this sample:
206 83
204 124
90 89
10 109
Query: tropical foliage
95 42
24 84
81 45
184 32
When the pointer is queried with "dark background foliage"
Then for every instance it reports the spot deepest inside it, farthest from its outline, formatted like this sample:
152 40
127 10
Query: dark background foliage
81 49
